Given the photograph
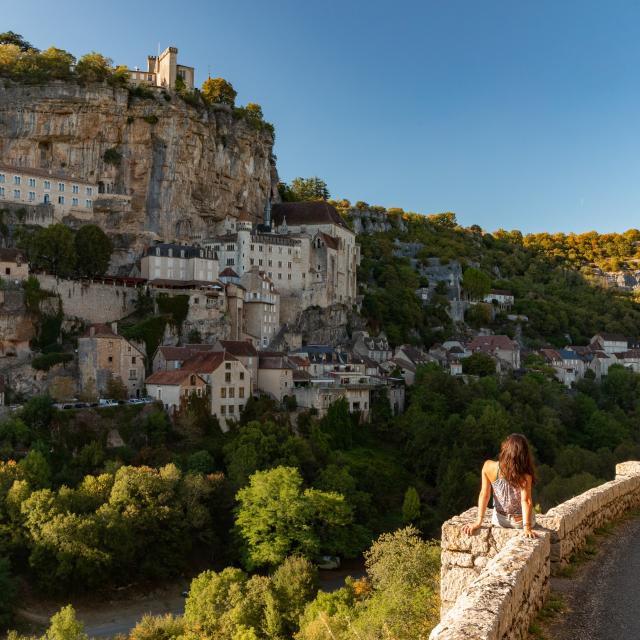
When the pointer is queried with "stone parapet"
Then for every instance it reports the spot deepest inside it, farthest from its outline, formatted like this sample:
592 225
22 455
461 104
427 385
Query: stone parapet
494 582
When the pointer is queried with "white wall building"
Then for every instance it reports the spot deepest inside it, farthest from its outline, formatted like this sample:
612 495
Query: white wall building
69 195
166 261
163 71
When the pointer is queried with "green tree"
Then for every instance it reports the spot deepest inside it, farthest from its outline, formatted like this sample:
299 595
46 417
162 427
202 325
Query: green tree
411 506
313 188
93 250
15 39
64 625
94 67
57 63
116 389
479 364
53 249
35 469
476 283
166 627
218 91
277 517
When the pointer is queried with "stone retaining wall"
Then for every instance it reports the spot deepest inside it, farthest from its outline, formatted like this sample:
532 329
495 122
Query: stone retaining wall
494 582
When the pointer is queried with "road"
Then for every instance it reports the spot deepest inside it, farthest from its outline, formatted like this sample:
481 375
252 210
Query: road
108 619
603 597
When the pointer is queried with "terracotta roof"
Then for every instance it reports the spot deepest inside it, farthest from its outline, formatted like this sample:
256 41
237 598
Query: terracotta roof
274 360
299 361
183 353
244 217
173 377
302 213
206 362
12 255
239 348
100 330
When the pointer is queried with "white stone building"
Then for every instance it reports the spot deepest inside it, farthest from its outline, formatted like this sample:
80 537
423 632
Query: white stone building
184 263
68 194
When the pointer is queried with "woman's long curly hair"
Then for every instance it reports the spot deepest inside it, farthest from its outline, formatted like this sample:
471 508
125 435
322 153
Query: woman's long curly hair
515 460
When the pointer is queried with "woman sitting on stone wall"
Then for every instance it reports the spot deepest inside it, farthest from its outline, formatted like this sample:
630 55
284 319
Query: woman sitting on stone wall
510 479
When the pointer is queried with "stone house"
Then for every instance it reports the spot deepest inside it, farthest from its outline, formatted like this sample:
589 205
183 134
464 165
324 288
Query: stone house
229 383
261 308
501 348
174 388
630 359
275 375
501 298
245 352
103 355
13 264
377 348
168 358
610 342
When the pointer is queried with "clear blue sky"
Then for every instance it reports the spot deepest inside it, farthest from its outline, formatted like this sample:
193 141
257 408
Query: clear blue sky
512 114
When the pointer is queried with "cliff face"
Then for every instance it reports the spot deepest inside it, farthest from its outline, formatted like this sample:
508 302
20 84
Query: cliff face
183 168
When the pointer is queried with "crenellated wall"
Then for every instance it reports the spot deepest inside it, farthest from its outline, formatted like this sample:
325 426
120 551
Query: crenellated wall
494 582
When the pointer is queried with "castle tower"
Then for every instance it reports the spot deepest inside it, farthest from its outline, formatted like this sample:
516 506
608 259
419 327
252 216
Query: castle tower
166 68
244 226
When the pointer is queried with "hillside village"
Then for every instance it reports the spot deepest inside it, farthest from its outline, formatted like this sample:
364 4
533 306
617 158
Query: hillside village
249 283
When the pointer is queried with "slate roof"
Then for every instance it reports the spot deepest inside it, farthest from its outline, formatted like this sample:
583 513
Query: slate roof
12 255
228 272
183 353
302 213
190 251
493 342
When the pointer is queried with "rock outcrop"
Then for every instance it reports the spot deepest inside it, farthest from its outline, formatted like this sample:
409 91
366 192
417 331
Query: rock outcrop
181 168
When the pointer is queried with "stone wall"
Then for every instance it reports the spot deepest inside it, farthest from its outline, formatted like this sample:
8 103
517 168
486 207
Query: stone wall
91 301
494 582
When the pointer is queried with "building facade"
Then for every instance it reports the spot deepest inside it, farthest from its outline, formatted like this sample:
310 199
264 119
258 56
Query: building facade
69 195
184 263
174 388
163 71
103 355
13 265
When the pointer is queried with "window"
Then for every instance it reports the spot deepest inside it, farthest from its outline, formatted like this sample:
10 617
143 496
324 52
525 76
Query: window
133 374
133 360
192 381
252 262
242 375
1 178
47 184
16 179
227 378
32 196
16 194
2 191
60 199
227 365
32 182
7 271
279 276
288 276
289 265
232 392
110 359
279 264
89 191
60 186
87 204
230 262
196 301
223 392
231 408
223 410
252 247
75 188
241 392
74 202
270 263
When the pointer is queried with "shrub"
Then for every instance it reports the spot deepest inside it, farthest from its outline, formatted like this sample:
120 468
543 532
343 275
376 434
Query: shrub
141 91
45 361
112 156
152 119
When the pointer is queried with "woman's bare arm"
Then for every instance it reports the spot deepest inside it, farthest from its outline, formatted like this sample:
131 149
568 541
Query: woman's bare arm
483 498
527 507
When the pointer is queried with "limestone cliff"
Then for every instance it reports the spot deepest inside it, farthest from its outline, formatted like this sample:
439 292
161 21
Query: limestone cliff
183 167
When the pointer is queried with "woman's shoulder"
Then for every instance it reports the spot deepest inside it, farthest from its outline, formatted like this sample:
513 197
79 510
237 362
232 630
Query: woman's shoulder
490 467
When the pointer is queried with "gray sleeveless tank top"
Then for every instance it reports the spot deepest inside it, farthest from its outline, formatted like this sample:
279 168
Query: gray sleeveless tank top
506 497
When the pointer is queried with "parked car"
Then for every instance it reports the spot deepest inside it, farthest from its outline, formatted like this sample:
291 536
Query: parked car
107 402
136 401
